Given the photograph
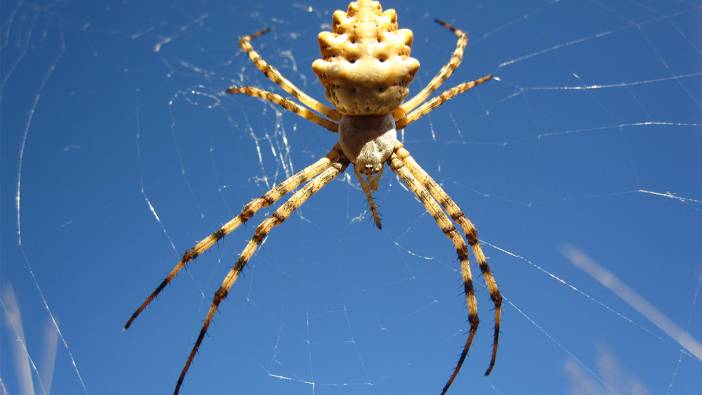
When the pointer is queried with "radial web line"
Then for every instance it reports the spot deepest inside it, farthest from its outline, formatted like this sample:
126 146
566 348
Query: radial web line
142 190
145 196
656 51
559 345
670 195
54 322
591 37
572 287
612 85
18 206
12 316
683 352
183 171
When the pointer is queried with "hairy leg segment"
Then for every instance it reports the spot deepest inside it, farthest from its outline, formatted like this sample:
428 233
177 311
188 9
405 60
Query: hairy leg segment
248 211
432 196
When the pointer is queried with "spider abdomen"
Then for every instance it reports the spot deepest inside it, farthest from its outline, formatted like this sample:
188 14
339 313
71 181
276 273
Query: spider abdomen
366 66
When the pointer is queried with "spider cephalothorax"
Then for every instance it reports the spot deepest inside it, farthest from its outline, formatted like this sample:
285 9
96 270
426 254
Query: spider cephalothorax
365 69
367 140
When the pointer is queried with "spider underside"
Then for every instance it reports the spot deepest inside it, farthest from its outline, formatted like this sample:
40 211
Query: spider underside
365 69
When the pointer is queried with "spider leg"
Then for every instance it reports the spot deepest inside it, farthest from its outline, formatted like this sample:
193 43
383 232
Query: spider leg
441 76
247 212
274 75
471 234
435 102
261 232
398 165
368 186
287 104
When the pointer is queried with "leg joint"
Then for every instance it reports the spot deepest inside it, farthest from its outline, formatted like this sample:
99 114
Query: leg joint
259 235
401 152
221 294
248 211
218 234
474 321
471 235
396 163
496 297
190 255
448 229
278 217
462 253
268 199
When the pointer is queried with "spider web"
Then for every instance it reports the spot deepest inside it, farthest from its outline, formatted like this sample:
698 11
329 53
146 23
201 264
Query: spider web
579 165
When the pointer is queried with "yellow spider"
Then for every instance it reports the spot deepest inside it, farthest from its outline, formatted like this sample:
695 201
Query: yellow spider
365 69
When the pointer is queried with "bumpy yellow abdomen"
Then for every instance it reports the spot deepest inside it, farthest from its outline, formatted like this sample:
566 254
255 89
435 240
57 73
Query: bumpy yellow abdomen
366 66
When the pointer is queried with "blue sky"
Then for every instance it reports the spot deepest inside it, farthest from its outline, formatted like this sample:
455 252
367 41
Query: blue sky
127 153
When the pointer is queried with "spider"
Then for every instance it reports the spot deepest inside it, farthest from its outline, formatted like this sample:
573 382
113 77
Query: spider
365 70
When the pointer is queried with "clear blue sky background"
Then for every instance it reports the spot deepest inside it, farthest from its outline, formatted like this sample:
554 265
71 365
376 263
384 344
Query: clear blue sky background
116 96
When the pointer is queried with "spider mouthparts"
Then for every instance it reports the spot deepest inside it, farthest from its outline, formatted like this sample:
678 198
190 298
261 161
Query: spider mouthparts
370 170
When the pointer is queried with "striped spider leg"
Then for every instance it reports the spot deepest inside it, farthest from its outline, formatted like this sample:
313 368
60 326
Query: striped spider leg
444 73
432 195
430 105
455 212
287 104
335 168
408 111
274 75
248 211
442 220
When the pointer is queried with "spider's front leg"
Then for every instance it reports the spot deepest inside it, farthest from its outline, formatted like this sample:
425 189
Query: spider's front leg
431 105
438 193
248 211
338 166
274 75
286 104
441 76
